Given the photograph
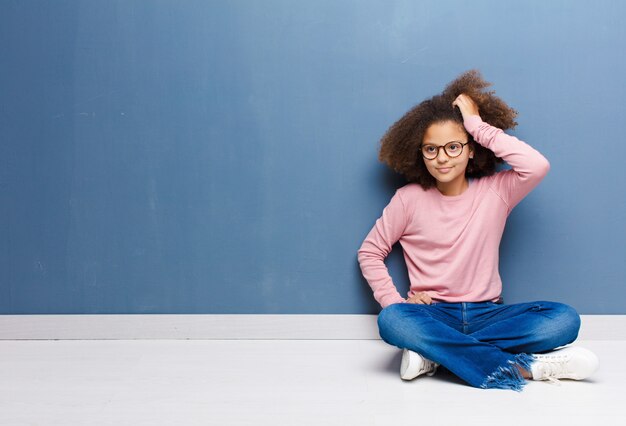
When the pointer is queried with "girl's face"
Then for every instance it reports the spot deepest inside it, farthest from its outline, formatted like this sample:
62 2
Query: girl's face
449 171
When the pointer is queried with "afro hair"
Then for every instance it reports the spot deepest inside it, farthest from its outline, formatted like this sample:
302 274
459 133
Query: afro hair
400 146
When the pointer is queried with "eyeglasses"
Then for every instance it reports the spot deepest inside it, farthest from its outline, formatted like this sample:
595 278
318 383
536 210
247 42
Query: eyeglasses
452 149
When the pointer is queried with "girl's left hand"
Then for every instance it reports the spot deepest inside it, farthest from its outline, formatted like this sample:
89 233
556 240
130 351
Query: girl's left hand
467 105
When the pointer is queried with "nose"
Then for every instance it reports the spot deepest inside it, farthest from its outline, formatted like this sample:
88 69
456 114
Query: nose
442 157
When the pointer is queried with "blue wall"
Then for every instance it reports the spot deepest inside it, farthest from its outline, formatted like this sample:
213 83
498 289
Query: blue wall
221 156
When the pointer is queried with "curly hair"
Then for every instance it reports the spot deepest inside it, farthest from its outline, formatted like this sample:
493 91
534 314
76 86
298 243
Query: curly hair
400 146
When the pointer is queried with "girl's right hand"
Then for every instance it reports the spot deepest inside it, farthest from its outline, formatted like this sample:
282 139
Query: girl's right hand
467 105
420 298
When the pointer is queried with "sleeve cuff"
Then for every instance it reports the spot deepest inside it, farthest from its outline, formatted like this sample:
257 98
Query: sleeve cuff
393 302
472 123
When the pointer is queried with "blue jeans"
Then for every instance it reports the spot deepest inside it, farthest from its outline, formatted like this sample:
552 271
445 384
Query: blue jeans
480 342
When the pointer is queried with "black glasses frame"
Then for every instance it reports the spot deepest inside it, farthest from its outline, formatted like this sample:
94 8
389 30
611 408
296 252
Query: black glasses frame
444 150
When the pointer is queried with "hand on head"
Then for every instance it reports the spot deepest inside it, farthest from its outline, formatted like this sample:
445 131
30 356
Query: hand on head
466 104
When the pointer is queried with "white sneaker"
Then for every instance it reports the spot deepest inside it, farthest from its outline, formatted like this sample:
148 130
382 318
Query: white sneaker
571 362
413 365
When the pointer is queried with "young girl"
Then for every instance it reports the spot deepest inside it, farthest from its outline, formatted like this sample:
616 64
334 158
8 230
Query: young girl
449 220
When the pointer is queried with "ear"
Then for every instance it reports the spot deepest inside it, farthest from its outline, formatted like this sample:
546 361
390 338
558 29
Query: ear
470 139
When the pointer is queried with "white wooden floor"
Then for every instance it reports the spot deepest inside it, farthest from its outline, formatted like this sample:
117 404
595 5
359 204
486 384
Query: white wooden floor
277 382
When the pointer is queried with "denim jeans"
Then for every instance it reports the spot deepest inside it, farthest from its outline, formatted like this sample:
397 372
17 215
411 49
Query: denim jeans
480 342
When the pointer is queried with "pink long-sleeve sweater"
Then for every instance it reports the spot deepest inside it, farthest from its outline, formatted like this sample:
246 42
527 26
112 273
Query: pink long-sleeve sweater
451 243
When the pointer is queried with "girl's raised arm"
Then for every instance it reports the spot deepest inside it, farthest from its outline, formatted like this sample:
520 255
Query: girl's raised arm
528 165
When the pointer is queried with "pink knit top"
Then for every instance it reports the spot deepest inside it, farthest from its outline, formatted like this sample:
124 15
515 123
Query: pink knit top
451 243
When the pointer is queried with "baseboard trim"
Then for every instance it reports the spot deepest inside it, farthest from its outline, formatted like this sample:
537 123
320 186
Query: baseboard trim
227 327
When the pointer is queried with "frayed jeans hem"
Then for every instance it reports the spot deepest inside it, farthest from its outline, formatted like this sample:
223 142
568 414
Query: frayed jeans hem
509 376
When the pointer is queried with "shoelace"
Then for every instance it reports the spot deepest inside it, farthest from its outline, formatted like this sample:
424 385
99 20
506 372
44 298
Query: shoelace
552 367
429 367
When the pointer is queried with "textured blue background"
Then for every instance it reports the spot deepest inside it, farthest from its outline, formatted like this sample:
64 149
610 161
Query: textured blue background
221 157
